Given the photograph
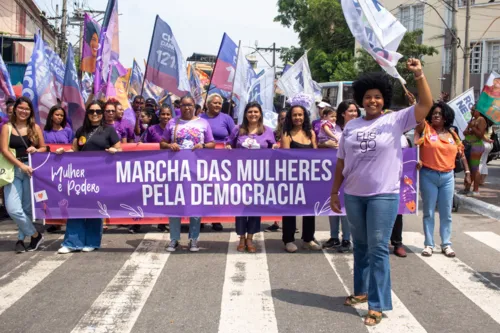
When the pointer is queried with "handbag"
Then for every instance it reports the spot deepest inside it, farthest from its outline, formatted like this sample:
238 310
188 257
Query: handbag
459 166
6 167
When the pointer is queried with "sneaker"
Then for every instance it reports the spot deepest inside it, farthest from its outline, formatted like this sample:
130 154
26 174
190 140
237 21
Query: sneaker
217 227
65 250
290 247
134 229
35 242
20 248
273 227
163 227
399 251
172 246
313 245
88 249
448 251
332 242
345 246
193 245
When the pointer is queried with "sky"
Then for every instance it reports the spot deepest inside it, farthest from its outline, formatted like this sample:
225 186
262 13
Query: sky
198 25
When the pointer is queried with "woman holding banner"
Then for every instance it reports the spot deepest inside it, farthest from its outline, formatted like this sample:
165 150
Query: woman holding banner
55 130
85 234
370 164
186 132
298 134
24 136
154 133
252 134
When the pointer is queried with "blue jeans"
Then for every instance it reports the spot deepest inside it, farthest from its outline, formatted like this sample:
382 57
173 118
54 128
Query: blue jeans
18 203
175 228
335 226
247 225
371 220
437 187
82 233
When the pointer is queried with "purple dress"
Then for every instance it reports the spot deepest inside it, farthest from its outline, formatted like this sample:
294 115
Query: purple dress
63 136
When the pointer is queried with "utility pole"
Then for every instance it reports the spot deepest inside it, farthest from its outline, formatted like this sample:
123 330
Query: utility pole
64 23
467 48
454 47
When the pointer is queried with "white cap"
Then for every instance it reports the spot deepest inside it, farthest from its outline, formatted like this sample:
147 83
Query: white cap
323 105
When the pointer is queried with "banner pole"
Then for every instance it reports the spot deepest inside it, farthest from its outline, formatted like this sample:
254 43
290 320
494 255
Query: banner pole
213 71
149 55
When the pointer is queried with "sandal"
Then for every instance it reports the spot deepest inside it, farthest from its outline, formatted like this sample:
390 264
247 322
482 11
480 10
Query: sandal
241 246
352 300
427 252
251 247
448 251
377 318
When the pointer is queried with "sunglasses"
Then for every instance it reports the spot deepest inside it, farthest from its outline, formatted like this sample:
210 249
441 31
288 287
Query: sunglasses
95 111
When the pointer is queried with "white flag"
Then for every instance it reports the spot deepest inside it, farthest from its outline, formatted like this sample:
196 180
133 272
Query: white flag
243 79
377 30
262 92
462 105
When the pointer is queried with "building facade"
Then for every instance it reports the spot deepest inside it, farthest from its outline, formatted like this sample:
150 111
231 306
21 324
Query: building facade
20 20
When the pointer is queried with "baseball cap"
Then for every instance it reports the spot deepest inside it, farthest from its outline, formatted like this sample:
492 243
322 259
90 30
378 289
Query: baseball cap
323 105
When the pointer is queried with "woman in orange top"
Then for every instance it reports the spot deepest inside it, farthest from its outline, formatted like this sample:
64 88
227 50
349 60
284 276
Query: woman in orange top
439 146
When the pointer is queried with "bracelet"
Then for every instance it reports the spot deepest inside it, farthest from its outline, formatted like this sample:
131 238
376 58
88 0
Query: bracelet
467 171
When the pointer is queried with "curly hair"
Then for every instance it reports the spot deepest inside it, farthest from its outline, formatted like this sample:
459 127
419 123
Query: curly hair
30 122
306 125
342 108
376 80
447 113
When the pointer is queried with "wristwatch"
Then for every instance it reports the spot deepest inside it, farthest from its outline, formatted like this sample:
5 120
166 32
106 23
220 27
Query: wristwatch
203 145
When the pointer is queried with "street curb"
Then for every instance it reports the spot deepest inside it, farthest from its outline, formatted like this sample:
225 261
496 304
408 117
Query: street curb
478 206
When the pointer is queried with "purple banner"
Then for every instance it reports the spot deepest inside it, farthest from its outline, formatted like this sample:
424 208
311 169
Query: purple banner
201 183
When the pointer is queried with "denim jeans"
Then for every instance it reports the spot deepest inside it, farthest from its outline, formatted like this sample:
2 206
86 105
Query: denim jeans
175 228
437 187
18 203
335 222
371 220
247 225
82 233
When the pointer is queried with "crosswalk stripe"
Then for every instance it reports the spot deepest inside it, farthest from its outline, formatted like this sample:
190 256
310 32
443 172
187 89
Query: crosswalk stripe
481 291
398 320
5 233
247 304
13 291
487 237
119 305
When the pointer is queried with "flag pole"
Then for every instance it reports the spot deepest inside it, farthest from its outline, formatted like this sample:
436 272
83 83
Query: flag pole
213 71
235 71
149 54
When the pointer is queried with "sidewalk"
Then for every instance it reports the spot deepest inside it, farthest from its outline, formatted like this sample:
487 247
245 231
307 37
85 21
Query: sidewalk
488 203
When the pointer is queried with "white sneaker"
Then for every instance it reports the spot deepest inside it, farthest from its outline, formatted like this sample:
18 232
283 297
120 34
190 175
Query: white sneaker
65 250
88 249
290 247
172 246
193 245
312 245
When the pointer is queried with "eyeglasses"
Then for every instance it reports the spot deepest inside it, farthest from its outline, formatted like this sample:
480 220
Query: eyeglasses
95 111
187 106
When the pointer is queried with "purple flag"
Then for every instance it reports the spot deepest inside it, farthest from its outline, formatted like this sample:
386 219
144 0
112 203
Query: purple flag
108 46
206 182
71 96
5 86
40 83
166 66
90 41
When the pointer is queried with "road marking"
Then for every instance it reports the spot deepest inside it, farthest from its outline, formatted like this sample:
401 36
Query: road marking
247 304
487 237
5 233
20 286
119 305
398 320
481 291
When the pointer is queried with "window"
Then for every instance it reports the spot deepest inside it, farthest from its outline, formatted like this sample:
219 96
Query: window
412 17
463 3
447 61
493 56
476 58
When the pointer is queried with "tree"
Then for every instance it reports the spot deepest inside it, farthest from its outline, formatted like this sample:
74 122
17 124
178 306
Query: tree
323 31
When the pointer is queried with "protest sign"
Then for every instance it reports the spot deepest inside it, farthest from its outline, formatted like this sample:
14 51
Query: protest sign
489 100
90 44
462 105
201 183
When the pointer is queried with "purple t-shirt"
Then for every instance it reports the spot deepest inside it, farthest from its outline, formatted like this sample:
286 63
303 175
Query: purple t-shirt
322 137
122 134
251 141
316 126
63 136
153 134
372 153
222 125
128 128
177 112
188 132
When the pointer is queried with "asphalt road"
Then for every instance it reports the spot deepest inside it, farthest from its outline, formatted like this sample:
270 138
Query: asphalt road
133 285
